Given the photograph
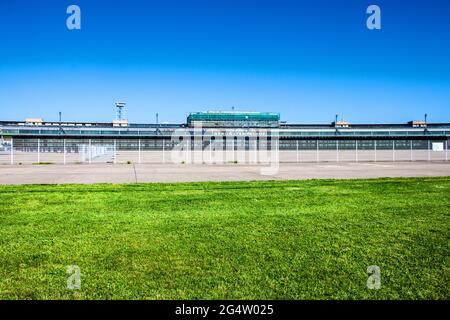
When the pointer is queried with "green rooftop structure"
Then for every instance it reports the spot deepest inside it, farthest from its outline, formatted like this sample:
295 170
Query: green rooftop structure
229 119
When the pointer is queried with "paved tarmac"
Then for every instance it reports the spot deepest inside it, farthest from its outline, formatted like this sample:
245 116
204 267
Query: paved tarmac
131 173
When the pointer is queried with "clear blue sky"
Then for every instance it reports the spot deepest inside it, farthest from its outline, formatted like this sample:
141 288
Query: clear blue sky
307 60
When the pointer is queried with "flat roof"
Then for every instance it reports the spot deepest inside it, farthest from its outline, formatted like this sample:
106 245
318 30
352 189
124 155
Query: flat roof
233 116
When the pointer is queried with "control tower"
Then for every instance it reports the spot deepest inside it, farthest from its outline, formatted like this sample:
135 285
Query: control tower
119 107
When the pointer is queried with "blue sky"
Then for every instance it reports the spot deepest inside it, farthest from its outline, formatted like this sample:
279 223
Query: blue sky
307 60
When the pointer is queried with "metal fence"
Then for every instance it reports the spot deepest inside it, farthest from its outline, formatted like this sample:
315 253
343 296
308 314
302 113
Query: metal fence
85 151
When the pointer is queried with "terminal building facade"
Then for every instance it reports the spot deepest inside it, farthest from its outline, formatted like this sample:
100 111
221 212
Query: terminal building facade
235 127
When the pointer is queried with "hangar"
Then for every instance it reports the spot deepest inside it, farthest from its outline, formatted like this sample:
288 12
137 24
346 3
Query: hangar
35 140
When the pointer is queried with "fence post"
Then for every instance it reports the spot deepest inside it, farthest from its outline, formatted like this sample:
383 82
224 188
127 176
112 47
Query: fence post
446 150
210 150
188 150
139 150
64 151
317 151
356 150
114 158
429 154
256 150
297 150
39 150
12 150
90 151
234 147
411 149
337 150
164 151
393 150
375 148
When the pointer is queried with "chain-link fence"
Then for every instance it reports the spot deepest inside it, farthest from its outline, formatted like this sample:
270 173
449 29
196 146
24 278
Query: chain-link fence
84 151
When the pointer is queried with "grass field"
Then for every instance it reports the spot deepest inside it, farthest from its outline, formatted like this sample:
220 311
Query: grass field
236 240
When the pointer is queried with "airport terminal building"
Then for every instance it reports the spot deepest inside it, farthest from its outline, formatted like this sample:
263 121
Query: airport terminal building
35 140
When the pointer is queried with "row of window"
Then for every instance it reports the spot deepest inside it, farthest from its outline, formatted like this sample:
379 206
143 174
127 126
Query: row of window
153 144
237 133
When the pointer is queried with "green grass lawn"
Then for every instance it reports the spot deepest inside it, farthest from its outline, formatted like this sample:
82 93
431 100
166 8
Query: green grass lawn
236 240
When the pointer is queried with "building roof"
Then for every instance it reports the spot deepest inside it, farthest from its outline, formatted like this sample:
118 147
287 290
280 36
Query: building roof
233 116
